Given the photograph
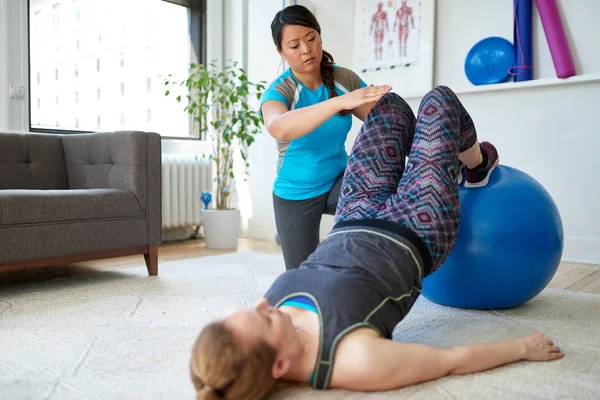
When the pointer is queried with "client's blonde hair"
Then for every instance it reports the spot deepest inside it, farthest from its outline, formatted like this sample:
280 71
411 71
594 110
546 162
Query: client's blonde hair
221 370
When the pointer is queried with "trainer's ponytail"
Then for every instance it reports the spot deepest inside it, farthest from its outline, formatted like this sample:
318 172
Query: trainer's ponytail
328 76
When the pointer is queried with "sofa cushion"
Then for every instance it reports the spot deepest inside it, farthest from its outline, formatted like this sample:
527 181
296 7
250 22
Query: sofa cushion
116 160
32 161
44 206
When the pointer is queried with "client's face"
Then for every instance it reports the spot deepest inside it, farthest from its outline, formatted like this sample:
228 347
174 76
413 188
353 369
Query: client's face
263 322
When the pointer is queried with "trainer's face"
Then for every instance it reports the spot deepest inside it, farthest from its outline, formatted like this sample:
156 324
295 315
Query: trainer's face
301 48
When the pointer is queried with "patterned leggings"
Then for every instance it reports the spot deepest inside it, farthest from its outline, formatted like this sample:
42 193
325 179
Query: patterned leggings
425 196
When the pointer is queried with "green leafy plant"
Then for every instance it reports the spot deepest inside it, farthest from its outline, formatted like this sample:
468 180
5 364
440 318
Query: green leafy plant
217 99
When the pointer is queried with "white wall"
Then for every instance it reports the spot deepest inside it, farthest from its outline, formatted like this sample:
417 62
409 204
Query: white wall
13 65
3 63
494 18
548 131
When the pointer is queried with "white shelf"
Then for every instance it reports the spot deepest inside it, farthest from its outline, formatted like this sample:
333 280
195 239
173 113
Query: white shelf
577 79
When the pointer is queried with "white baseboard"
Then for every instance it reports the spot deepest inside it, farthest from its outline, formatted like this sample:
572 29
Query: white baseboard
582 250
261 228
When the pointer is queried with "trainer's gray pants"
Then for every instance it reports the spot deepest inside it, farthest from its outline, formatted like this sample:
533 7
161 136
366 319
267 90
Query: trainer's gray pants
298 223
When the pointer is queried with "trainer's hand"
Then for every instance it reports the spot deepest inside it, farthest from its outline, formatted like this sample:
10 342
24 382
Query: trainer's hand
537 347
368 94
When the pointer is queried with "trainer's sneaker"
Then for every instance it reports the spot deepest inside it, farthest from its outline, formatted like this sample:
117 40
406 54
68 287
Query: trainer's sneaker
461 169
480 175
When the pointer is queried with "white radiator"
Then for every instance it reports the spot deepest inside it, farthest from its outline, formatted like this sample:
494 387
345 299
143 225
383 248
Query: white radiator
184 177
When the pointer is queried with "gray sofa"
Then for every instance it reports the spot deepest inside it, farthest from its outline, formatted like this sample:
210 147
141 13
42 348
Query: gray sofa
76 197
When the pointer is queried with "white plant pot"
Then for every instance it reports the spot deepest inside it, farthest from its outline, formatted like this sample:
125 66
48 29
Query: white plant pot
221 228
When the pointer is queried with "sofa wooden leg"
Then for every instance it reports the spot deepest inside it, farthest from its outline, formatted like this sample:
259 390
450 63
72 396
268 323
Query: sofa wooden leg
151 258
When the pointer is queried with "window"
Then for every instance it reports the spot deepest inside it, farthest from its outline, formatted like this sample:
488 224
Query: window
135 48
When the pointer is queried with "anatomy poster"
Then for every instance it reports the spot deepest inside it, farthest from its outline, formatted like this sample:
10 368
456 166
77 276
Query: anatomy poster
390 34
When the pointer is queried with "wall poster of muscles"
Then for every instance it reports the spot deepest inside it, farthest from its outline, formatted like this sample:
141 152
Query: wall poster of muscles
390 33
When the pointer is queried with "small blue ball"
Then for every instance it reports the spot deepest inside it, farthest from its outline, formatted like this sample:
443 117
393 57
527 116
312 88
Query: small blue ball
509 245
489 61
206 198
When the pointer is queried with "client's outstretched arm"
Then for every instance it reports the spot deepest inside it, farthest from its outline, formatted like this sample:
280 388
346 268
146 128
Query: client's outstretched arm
369 363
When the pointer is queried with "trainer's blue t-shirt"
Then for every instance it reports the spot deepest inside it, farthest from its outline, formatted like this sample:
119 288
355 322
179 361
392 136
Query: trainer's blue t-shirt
309 165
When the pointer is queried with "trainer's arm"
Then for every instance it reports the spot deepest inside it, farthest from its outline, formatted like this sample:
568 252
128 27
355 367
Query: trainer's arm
284 124
371 363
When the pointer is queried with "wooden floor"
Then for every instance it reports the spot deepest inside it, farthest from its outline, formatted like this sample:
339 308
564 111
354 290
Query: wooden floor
571 276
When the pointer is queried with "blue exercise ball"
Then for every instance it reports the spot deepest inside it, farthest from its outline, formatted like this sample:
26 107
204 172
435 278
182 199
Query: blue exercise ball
489 61
508 248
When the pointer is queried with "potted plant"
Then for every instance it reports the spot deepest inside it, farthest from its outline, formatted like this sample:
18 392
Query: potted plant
217 100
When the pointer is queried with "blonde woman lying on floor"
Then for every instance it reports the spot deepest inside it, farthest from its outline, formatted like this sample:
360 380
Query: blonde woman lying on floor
330 321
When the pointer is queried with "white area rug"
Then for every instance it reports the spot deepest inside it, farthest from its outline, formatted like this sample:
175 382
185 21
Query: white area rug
124 335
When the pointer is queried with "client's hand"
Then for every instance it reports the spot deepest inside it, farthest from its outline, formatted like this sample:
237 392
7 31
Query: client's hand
537 347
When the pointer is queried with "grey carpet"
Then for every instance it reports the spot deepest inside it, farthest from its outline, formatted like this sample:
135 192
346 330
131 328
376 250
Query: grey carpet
124 335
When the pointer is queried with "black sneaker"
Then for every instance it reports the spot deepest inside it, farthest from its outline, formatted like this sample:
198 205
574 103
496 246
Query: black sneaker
480 175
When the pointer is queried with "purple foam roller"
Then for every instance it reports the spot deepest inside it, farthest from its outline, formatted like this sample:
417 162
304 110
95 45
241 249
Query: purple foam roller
555 35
